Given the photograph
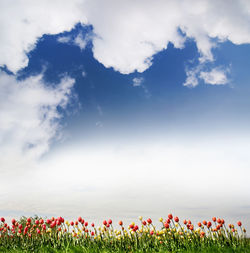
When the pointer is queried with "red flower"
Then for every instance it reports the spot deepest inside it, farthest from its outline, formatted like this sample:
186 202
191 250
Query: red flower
152 232
219 220
185 222
92 233
37 222
149 221
80 219
13 221
120 223
176 219
86 224
29 220
76 223
48 221
204 223
92 224
2 219
239 223
144 223
199 224
131 226
72 223
214 219
166 225
209 224
41 221
136 227
170 216
104 222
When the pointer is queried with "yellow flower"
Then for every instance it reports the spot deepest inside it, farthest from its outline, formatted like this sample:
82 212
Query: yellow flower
140 217
160 219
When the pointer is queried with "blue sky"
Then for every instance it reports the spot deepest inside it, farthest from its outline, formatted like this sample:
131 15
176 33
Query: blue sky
94 110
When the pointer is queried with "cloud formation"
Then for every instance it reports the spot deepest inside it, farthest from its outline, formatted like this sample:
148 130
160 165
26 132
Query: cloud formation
214 77
29 118
128 33
137 81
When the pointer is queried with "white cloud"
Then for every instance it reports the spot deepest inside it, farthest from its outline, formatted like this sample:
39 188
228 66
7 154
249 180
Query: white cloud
81 41
192 79
137 81
29 21
215 77
64 39
29 118
128 33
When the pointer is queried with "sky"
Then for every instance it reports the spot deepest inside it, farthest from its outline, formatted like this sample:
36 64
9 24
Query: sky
125 108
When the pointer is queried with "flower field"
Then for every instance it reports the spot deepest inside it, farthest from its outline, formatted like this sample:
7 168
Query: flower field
167 235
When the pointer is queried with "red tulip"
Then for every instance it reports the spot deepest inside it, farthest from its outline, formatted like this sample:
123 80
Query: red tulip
2 219
144 223
104 222
214 219
185 222
13 221
149 221
92 224
29 220
239 223
209 224
109 221
80 219
120 223
204 223
176 219
86 224
92 233
152 232
166 225
199 224
72 223
219 220
170 216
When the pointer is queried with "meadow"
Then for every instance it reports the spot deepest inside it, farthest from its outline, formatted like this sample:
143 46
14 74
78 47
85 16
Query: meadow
36 234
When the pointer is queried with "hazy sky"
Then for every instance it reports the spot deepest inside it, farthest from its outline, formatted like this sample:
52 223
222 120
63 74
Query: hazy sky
124 108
